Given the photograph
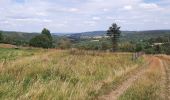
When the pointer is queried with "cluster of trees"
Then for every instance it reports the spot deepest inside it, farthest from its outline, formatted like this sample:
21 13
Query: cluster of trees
43 40
158 45
151 46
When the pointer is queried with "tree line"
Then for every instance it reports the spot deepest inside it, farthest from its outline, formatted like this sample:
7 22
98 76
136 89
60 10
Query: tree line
113 43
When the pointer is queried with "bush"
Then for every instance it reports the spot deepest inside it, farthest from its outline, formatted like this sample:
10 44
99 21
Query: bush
64 43
41 41
166 48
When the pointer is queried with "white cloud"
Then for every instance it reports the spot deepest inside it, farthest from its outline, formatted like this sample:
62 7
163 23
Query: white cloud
128 7
96 18
105 9
73 9
47 20
149 6
41 14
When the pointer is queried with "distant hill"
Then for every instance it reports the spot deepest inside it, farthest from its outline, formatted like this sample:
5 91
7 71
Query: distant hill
126 35
22 35
19 35
141 35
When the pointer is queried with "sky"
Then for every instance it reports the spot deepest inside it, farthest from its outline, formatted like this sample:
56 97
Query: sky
83 15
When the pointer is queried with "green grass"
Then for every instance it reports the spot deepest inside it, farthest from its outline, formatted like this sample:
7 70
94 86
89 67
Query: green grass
13 54
59 74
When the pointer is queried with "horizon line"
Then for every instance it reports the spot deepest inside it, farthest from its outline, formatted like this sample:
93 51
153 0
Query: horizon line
85 31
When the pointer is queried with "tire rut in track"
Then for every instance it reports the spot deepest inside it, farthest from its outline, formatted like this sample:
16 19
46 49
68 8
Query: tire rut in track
166 78
114 95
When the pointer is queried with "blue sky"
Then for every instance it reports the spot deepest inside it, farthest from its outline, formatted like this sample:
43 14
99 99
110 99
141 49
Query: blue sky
83 15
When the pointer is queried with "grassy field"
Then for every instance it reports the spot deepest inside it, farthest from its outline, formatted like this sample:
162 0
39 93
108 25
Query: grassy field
60 74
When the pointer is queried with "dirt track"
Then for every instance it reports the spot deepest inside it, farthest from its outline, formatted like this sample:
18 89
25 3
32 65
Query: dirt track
165 77
162 62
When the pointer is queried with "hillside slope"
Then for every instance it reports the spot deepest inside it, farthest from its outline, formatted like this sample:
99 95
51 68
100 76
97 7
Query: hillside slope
126 35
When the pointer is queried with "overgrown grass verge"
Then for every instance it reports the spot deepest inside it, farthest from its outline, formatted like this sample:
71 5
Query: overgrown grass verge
147 87
108 87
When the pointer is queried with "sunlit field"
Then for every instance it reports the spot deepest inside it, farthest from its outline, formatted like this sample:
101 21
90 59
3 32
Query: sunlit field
60 74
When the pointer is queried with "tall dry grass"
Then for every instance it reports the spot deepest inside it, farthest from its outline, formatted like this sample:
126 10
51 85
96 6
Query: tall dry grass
61 74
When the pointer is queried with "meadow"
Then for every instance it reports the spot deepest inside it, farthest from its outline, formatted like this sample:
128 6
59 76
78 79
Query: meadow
41 74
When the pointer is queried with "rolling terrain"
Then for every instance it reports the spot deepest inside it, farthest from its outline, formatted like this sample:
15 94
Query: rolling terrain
126 35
